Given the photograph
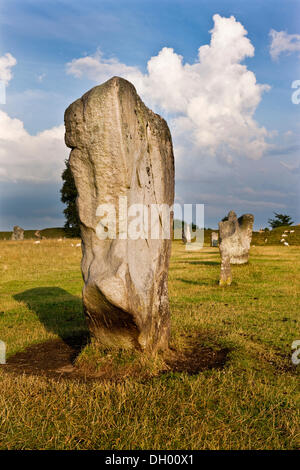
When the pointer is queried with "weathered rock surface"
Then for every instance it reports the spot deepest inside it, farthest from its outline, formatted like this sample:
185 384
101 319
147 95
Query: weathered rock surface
234 243
214 239
121 148
18 233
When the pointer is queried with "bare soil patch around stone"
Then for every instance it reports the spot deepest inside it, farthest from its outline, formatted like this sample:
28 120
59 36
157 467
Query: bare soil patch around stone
56 359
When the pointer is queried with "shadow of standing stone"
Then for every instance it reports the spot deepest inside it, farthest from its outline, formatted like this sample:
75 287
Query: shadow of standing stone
60 312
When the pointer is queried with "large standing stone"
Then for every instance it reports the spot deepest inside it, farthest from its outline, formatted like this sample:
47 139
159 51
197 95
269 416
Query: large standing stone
18 233
121 148
234 242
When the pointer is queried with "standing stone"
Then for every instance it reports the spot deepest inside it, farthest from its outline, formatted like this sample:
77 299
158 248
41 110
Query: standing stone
121 148
186 233
18 233
214 239
37 234
234 243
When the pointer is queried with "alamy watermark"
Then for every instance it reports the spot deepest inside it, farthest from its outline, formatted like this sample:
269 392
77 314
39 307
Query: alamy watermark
2 92
296 94
296 353
2 352
125 221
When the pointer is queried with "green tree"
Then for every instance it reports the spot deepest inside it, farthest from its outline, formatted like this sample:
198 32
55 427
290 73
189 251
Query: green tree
280 220
68 197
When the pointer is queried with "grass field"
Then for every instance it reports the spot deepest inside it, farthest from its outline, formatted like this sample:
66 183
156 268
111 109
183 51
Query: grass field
251 402
29 234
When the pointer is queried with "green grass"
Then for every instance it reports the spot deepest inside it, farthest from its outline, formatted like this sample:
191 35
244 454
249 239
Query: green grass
252 403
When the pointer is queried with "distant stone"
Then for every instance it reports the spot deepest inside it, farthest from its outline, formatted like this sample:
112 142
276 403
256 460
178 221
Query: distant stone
18 233
37 234
235 238
214 239
186 233
121 148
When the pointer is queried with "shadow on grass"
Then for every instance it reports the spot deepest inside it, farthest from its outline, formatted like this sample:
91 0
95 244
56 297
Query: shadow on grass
60 312
201 282
205 263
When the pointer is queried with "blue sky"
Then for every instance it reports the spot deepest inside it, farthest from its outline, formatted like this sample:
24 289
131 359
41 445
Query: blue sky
45 36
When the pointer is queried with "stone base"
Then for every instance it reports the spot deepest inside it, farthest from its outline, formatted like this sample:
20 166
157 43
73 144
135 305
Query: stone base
225 282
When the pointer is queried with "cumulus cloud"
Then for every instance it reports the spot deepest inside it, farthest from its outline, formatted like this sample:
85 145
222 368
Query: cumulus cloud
212 101
283 42
98 68
7 61
25 157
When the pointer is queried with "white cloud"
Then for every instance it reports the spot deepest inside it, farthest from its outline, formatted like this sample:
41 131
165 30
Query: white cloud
7 61
213 100
25 157
99 69
283 42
